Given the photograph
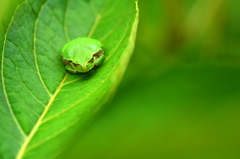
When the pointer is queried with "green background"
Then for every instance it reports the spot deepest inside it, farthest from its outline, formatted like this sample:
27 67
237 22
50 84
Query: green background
180 95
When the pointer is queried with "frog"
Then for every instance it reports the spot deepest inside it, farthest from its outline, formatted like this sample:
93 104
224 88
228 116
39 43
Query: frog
81 55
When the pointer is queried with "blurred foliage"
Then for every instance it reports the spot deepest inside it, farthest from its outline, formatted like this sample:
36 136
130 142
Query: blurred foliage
180 95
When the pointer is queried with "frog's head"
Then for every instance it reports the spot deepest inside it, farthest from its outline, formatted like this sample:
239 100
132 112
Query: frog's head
78 67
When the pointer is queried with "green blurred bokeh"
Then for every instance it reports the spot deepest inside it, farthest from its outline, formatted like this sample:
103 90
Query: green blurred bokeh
180 95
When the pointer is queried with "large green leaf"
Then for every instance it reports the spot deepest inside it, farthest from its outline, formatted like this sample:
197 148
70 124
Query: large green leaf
42 106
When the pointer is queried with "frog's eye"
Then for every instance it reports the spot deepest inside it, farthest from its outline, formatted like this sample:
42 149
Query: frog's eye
99 53
65 62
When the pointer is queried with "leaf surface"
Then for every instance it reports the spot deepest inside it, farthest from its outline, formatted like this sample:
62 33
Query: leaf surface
42 106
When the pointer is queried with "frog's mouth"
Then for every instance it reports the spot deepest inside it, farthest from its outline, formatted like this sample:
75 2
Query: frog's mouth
83 69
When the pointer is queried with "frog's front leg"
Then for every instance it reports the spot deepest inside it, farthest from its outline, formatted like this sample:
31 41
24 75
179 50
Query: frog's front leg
100 60
71 68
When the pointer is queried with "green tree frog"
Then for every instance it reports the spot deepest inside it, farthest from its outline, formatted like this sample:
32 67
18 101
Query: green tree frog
82 54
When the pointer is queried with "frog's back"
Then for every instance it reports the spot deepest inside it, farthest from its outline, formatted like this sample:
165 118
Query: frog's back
81 49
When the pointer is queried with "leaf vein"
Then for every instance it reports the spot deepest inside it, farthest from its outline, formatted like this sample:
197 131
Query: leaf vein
59 132
10 136
39 122
2 75
20 52
65 22
113 28
28 89
54 135
34 49
50 118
